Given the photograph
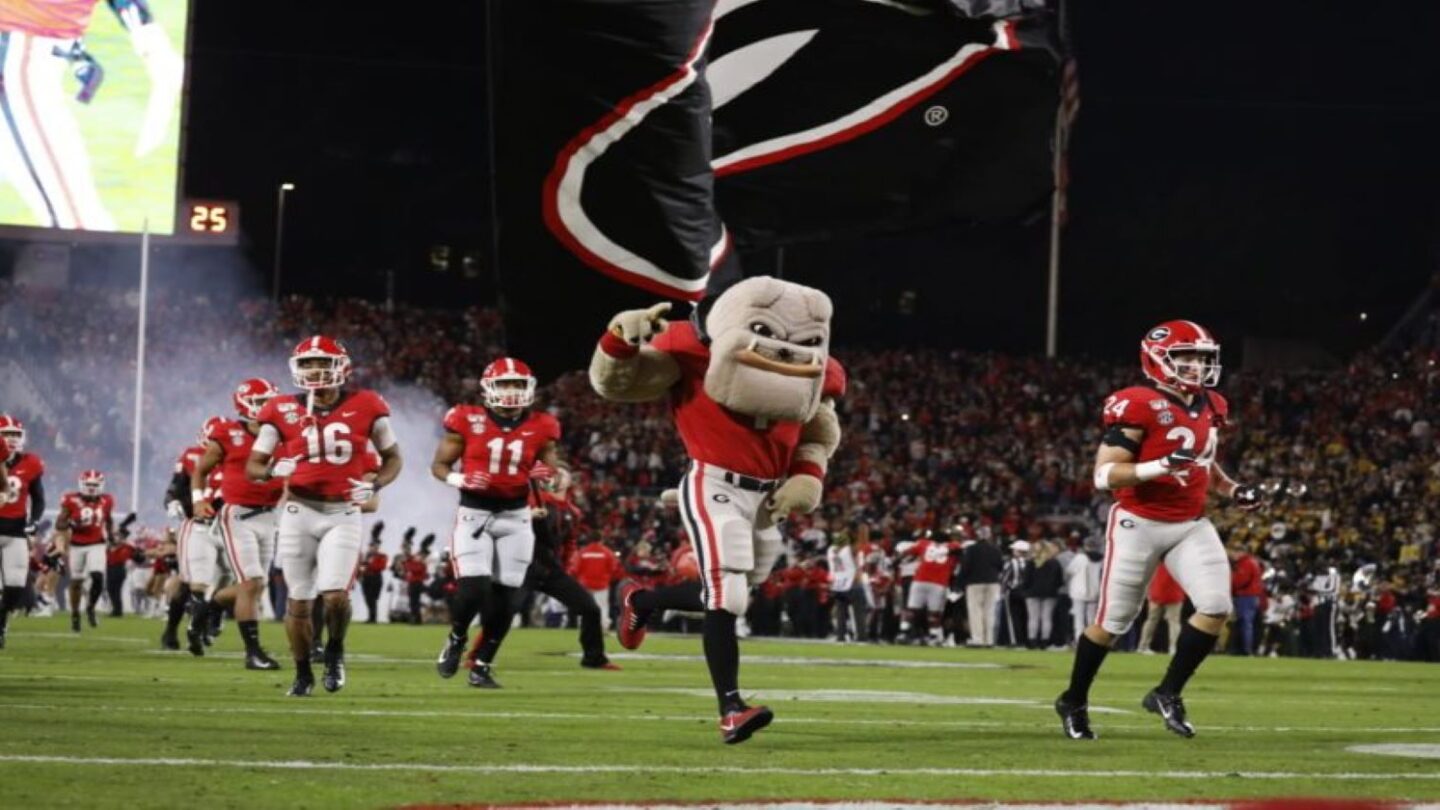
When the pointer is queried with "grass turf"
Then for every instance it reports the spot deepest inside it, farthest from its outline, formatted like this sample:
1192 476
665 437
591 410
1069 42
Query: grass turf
843 730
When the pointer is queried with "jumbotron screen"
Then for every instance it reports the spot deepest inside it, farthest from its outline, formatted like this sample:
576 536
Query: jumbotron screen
90 113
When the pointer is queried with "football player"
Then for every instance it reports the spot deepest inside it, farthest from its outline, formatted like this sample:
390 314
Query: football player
247 517
497 445
204 564
1158 457
320 445
22 502
84 527
179 507
554 521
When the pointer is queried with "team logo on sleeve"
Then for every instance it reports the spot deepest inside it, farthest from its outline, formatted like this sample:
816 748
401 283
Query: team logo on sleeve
1165 417
1159 404
286 407
291 418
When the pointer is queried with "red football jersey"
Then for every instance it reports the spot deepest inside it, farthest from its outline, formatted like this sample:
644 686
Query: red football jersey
87 517
332 446
235 487
505 453
189 459
937 561
1169 425
717 436
25 469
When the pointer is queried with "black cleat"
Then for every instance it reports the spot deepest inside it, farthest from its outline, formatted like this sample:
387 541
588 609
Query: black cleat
317 653
1171 709
334 678
75 622
739 725
90 616
481 678
196 642
168 641
304 686
449 661
260 660
1074 718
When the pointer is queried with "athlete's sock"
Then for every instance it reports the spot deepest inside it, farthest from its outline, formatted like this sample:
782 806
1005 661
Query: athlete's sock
199 610
472 598
722 654
337 622
685 596
1088 658
250 634
495 624
97 587
176 611
1190 650
10 600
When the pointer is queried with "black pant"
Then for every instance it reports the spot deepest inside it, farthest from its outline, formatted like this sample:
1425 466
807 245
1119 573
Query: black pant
416 588
1325 630
114 586
578 601
370 586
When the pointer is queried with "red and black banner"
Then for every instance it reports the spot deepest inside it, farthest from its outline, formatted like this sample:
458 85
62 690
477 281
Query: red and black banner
643 145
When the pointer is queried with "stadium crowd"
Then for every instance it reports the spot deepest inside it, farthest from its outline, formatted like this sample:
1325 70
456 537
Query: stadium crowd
960 448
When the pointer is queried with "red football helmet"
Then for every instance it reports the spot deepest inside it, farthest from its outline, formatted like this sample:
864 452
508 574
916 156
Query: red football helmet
508 383
13 433
1159 362
319 362
211 423
252 395
92 483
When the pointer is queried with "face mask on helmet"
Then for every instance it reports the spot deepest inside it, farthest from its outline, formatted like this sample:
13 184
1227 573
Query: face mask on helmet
508 392
92 483
1190 368
14 440
313 372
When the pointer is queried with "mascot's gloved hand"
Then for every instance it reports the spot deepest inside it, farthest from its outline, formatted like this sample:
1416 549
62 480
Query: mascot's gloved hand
638 326
799 493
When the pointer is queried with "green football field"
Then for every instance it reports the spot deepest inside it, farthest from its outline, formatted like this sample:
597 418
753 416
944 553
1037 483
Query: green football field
106 719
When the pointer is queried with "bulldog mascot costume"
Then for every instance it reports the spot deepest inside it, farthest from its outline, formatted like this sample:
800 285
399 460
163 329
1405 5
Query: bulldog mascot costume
752 390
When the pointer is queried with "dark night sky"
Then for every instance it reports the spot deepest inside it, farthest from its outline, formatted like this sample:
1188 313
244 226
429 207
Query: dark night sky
1271 174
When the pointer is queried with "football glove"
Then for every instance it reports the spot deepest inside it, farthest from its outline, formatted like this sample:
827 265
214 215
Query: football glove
175 509
285 467
361 490
1247 497
470 480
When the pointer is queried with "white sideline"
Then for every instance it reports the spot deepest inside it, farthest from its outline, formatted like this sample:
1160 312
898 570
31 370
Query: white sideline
1043 773
688 718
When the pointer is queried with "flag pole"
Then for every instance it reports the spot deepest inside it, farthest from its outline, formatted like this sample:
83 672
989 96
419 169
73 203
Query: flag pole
140 364
1052 302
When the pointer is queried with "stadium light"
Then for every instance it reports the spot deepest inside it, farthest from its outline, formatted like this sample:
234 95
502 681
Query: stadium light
279 236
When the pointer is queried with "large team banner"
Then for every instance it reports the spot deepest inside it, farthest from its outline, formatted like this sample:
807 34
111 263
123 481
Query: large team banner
90 113
647 146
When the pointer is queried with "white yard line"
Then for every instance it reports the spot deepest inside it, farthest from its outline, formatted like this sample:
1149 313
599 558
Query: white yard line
785 719
650 769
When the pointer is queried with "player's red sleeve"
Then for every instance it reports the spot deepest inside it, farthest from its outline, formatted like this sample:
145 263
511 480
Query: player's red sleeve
552 428
377 404
1129 407
454 420
213 431
1221 406
269 414
836 380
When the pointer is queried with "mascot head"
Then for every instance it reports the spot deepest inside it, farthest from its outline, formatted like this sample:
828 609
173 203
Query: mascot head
769 342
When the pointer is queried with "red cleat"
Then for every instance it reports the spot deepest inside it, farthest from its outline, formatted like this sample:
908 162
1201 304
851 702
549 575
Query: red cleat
606 666
630 628
737 727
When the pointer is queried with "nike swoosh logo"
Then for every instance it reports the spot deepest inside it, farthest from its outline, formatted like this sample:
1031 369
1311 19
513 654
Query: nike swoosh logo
347 413
527 432
728 726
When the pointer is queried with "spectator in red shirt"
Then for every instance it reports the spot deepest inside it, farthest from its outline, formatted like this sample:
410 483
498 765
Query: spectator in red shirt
117 554
596 567
1246 588
417 571
1166 596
